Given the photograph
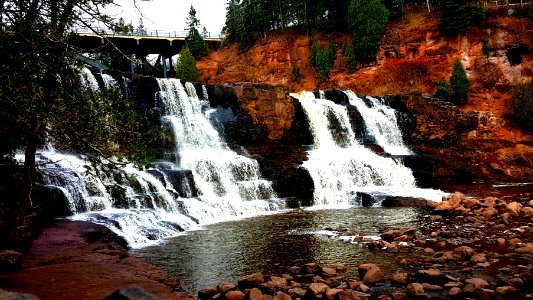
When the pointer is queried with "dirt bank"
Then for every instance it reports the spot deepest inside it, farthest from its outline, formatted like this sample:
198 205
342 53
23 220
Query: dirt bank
81 260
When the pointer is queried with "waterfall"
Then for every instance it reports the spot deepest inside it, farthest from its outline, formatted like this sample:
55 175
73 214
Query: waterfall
341 167
381 123
229 184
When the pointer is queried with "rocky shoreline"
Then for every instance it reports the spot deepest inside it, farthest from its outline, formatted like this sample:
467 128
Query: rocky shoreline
467 248
81 260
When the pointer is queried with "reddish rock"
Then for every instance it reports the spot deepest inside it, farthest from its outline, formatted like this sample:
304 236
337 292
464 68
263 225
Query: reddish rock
226 286
370 273
397 295
477 282
328 272
524 250
233 295
282 296
297 292
513 208
311 268
251 281
316 289
431 287
350 295
9 261
331 293
207 293
478 258
431 275
470 202
454 291
415 289
463 252
278 282
400 278
504 290
254 294
294 270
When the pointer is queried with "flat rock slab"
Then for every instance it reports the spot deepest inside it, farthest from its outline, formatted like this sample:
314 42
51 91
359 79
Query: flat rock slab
81 260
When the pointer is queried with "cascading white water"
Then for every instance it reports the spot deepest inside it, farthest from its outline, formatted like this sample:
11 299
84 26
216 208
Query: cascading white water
340 166
229 184
380 123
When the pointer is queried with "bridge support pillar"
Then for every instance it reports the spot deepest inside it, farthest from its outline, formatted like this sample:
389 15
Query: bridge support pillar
132 64
164 64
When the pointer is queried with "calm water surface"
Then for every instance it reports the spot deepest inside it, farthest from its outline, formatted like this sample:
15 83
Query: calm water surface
273 243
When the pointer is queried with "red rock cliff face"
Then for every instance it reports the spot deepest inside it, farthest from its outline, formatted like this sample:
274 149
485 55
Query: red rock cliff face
412 57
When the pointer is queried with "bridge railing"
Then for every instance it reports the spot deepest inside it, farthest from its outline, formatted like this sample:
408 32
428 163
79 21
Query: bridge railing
146 33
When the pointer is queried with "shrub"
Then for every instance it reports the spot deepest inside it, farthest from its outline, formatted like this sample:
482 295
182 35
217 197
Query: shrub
296 75
443 90
458 15
186 66
459 83
322 60
522 104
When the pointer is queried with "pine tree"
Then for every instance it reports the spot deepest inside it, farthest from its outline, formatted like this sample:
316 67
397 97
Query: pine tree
459 83
367 20
186 66
458 15
194 39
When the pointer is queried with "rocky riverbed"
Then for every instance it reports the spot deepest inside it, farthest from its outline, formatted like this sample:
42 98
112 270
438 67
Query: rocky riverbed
466 248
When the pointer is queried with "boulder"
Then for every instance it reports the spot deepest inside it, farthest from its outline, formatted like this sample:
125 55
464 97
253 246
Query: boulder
463 252
328 272
331 293
250 281
316 291
253 294
131 293
350 295
415 289
370 273
226 286
431 275
396 201
454 291
207 293
400 278
513 208
6 295
311 268
9 261
278 282
233 295
524 250
282 296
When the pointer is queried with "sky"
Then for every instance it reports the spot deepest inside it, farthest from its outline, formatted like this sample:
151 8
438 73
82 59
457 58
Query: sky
171 15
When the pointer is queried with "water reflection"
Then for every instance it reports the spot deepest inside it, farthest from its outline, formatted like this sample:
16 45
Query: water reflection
271 244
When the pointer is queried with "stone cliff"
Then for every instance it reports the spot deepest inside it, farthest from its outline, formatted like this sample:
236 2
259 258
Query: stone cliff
477 140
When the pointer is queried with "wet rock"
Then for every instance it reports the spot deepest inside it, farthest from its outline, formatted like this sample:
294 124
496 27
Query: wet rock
454 291
463 252
478 258
477 282
470 202
226 286
513 208
131 293
400 278
297 292
282 296
331 293
311 268
415 289
7 295
431 275
431 287
524 250
294 270
396 201
207 293
9 261
370 273
316 291
233 295
251 281
328 272
397 295
503 290
254 294
350 295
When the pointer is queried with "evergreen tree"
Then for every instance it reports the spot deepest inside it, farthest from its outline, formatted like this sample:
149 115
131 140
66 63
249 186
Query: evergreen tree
367 20
194 39
122 28
458 15
186 66
141 30
459 83
522 105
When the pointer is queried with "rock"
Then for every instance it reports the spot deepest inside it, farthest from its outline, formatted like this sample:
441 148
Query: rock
477 282
282 296
432 204
370 273
316 289
207 293
431 275
470 202
233 295
489 212
524 250
131 293
454 291
431 287
254 294
250 281
396 201
311 268
503 290
340 268
528 211
363 288
9 261
478 258
294 270
429 251
328 272
225 286
390 235
350 295
460 211
6 295
278 282
400 278
463 252
415 289
513 208
397 295
331 293
297 292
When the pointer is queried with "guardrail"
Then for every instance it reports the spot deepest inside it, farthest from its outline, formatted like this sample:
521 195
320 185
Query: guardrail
145 33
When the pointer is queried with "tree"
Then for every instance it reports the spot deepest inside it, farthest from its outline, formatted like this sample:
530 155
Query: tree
522 104
122 28
367 20
458 15
186 66
194 39
459 83
41 95
322 60
141 30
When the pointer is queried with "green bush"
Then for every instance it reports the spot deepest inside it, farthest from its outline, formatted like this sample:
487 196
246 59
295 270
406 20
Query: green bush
522 104
296 74
459 83
186 66
443 90
322 60
458 15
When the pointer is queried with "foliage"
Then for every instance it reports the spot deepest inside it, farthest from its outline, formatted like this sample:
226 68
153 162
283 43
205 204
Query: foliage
367 20
459 83
122 28
219 70
195 41
186 66
402 76
458 15
296 75
140 30
486 48
322 60
522 104
443 90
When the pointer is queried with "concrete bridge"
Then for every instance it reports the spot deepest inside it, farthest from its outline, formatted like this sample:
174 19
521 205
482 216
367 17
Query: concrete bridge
138 44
